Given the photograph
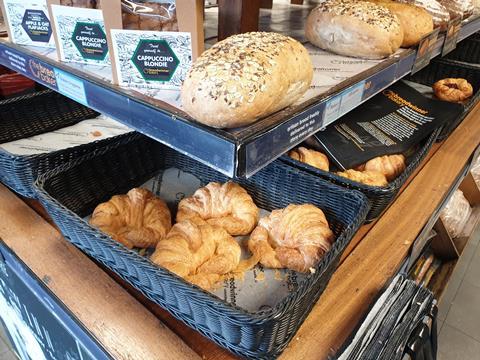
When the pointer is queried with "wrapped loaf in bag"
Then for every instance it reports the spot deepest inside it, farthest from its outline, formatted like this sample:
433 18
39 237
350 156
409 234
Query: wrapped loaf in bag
456 213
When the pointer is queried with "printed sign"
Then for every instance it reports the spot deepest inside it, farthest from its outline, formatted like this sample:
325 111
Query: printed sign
29 23
425 51
81 35
451 37
150 59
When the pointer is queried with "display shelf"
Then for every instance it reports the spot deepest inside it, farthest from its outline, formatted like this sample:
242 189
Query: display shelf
238 152
377 254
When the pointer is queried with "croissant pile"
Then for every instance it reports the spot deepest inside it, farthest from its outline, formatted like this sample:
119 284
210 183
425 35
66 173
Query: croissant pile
200 246
378 171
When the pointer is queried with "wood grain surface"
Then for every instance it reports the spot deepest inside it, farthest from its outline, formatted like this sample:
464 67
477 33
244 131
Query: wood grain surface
125 328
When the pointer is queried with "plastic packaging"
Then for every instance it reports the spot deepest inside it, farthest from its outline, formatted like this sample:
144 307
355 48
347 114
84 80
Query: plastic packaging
456 213
149 15
475 170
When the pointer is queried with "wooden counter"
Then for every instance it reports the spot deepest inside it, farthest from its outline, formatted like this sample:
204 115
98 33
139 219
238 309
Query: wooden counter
130 330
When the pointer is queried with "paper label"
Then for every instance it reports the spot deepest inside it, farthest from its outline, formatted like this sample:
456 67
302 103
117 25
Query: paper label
451 37
81 34
150 59
29 22
71 87
84 132
425 51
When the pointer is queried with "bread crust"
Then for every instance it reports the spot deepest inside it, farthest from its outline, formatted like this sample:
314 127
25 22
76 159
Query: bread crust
439 13
416 21
363 29
246 77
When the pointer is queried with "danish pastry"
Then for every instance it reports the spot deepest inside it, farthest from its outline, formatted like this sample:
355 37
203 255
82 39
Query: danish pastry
226 205
389 165
372 178
453 90
198 252
295 237
310 157
137 219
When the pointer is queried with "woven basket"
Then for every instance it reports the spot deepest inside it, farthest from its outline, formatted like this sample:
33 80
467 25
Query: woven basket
72 191
379 197
441 69
467 50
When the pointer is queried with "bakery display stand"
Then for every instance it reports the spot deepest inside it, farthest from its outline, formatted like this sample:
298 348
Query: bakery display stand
72 305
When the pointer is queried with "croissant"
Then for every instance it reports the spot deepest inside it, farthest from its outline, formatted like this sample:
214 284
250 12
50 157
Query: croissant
198 252
226 205
389 165
137 219
295 237
372 178
310 157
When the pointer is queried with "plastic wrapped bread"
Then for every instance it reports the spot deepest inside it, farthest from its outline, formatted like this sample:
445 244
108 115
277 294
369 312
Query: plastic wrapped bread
456 213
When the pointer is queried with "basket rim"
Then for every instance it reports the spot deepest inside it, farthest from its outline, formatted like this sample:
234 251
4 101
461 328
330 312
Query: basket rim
376 190
257 317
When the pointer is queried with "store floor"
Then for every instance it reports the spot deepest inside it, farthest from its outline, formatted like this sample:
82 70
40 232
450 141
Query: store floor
459 310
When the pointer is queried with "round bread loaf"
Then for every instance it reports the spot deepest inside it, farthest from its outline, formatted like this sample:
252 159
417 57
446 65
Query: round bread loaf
246 77
462 8
439 13
359 29
416 21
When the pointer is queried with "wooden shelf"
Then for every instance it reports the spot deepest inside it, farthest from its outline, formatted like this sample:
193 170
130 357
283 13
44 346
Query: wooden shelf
130 330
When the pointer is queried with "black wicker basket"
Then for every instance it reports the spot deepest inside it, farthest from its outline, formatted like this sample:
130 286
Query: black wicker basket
35 114
467 50
379 197
440 69
72 191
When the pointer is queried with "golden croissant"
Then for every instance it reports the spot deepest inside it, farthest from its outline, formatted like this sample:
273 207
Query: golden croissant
198 252
226 205
295 237
137 219
310 157
372 178
389 165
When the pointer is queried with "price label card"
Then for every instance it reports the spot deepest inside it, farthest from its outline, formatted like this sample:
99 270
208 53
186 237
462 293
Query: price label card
425 51
451 37
151 59
81 35
71 87
29 23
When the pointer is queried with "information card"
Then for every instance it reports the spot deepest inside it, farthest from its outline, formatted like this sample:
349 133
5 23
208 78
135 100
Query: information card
29 23
151 59
81 35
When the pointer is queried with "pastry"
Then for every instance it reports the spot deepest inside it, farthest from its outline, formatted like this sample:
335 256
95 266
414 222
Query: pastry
226 205
389 165
310 157
371 178
295 237
461 8
453 90
198 252
440 14
246 77
137 219
416 21
359 29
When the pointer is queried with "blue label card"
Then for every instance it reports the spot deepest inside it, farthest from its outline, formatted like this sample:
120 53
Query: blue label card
81 35
70 86
29 22
151 59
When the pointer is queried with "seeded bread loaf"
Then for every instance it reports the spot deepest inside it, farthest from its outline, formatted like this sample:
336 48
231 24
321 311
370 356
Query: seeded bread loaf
359 29
246 77
439 13
416 21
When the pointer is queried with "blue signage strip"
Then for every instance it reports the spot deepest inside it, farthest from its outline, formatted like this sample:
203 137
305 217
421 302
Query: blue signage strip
38 326
206 146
